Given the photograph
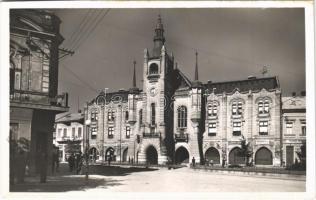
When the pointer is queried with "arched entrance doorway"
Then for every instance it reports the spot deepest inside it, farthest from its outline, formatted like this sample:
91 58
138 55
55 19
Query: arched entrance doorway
263 157
151 155
125 155
109 154
235 156
181 155
212 154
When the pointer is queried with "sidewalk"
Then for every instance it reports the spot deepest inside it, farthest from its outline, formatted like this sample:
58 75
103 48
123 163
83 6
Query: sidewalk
63 181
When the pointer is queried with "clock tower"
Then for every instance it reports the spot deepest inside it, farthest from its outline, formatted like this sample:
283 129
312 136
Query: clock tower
157 92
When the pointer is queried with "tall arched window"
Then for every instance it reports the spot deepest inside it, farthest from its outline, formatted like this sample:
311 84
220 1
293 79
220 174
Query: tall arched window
182 117
153 114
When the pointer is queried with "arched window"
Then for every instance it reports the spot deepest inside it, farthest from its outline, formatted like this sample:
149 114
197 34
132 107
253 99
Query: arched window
212 109
182 117
153 114
153 68
237 108
263 106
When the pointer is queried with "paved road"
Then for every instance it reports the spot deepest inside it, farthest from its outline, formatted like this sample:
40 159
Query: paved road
188 180
162 180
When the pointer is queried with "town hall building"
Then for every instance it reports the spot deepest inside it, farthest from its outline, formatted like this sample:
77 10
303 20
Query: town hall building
174 118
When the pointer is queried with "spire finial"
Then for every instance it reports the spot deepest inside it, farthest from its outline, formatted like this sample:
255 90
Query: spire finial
196 77
134 75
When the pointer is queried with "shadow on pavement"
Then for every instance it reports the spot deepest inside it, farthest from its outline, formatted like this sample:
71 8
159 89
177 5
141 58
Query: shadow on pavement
64 184
116 170
64 180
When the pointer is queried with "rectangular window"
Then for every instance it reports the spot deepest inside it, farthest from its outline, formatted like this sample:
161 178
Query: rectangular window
110 132
260 107
59 132
128 131
110 116
266 106
73 131
126 115
234 109
94 116
303 125
65 132
79 132
94 132
236 128
263 128
212 129
289 128
212 110
239 111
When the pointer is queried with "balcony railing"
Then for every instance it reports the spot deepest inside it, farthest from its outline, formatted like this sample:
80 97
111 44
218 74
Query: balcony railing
181 137
21 96
151 135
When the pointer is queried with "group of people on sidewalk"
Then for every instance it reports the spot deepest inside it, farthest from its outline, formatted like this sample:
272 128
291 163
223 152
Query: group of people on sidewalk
209 162
75 162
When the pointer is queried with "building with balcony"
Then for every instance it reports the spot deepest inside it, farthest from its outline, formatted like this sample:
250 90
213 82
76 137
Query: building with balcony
34 102
175 118
294 127
69 135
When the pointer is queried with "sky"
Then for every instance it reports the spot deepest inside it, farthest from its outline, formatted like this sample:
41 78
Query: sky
233 43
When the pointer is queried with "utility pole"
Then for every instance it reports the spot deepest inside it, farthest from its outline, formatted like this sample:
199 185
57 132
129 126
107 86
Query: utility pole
87 124
121 116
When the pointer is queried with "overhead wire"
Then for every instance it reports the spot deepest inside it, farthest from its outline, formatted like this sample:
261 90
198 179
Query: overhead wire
79 28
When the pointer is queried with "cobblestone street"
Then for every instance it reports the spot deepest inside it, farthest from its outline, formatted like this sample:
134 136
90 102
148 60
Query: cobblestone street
116 179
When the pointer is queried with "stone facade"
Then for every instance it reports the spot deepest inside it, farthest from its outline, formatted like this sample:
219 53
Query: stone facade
294 127
175 119
69 135
34 102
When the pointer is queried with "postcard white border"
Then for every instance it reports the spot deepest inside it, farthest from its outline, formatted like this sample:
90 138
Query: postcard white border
310 103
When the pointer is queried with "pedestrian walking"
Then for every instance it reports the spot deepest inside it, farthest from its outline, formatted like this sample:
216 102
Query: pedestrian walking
212 163
71 160
193 162
223 162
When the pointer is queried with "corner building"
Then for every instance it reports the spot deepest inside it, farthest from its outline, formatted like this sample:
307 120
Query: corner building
176 118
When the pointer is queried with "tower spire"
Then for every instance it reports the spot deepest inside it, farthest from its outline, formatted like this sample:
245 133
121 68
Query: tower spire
134 75
196 77
159 39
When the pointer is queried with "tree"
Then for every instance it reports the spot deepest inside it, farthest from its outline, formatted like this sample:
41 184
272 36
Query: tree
246 150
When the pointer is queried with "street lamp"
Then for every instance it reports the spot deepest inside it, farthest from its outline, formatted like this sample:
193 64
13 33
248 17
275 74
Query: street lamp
87 123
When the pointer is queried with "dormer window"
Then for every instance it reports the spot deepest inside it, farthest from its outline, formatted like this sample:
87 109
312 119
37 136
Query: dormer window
153 69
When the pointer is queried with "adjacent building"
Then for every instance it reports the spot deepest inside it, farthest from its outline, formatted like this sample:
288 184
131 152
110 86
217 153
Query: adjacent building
34 102
69 135
294 126
175 118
